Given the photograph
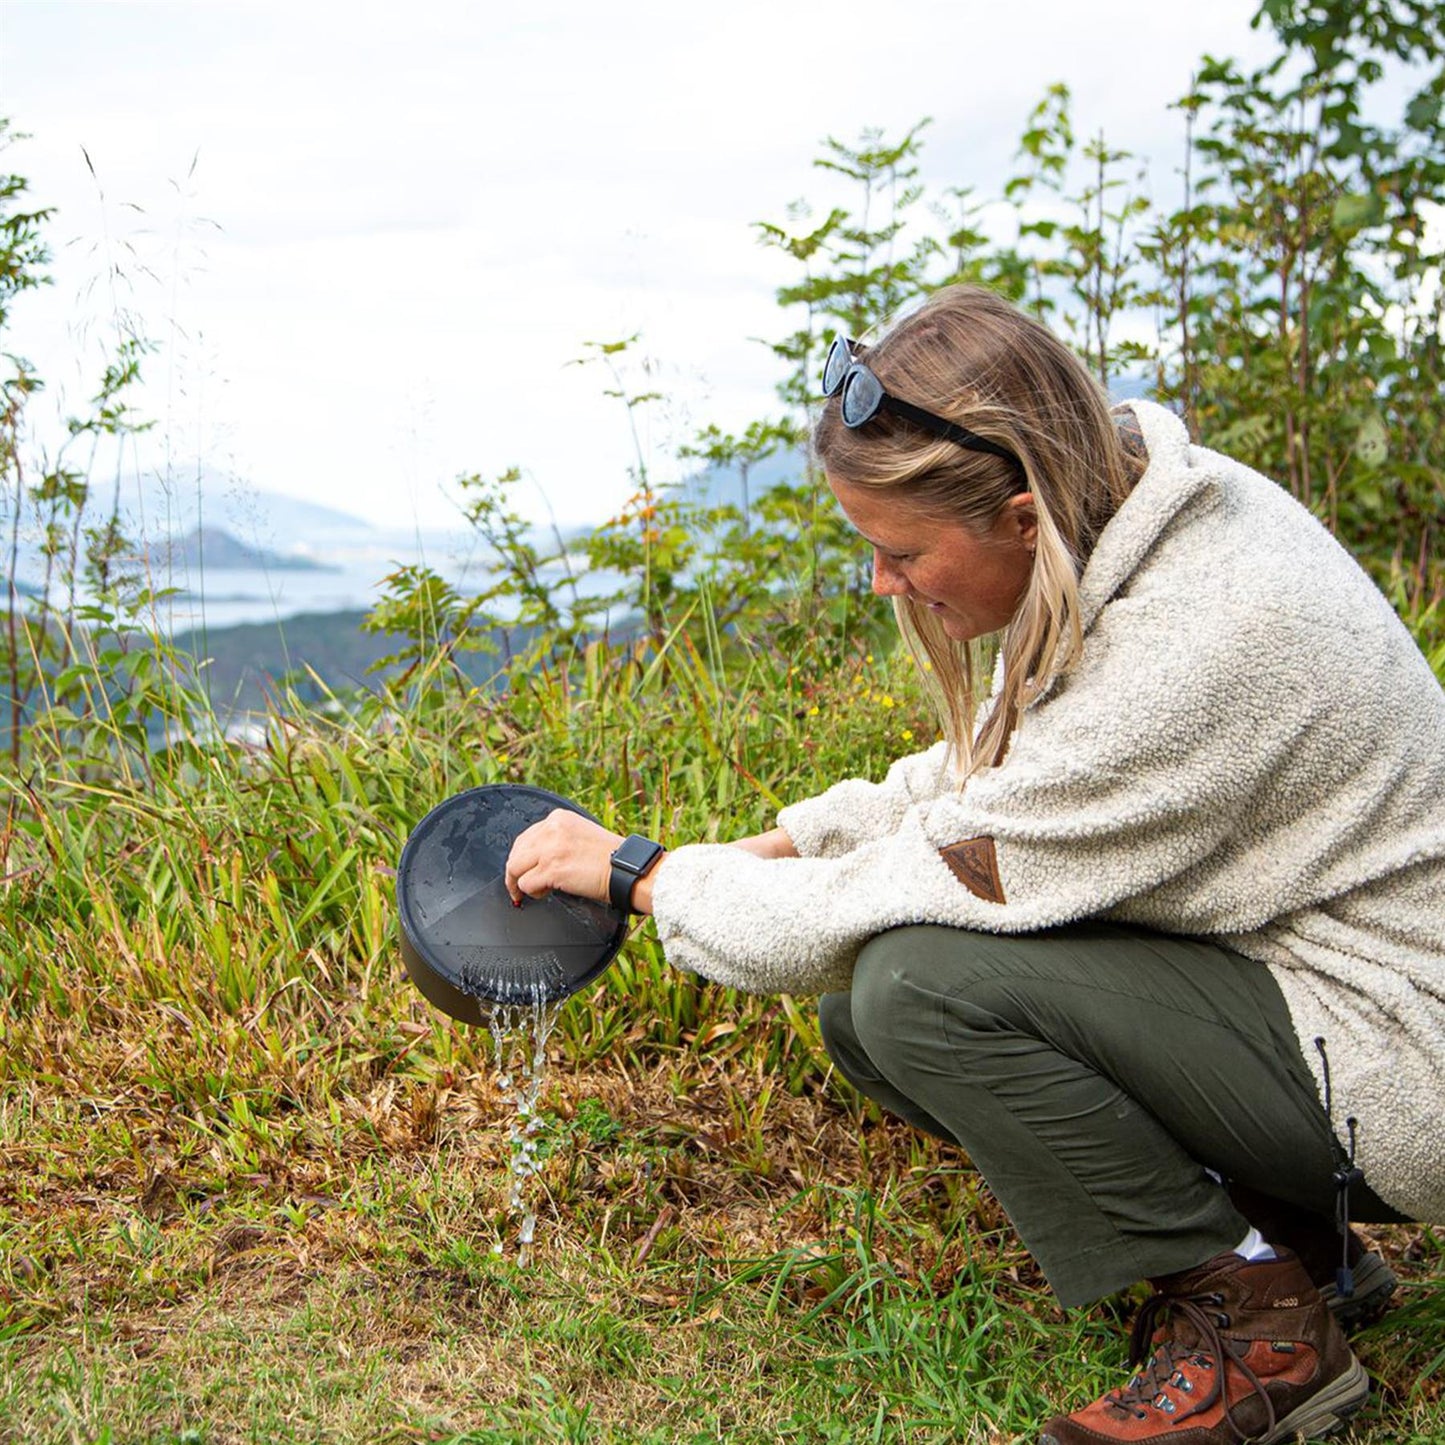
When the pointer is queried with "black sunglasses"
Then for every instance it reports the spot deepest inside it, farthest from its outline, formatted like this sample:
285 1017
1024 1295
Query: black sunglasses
863 397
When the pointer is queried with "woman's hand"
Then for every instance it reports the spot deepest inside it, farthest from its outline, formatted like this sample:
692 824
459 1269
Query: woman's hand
564 851
569 852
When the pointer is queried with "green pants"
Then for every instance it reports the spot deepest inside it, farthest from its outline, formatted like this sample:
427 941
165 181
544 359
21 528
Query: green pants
1095 1075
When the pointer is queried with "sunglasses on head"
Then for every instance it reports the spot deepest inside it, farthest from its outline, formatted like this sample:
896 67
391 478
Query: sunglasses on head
863 397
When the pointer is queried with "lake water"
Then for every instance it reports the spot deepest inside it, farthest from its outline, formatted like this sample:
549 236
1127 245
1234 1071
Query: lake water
352 579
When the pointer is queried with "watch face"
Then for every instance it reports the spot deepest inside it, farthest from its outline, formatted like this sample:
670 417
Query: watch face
635 853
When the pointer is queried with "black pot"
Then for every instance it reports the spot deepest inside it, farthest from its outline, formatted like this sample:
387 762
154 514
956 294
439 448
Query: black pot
465 945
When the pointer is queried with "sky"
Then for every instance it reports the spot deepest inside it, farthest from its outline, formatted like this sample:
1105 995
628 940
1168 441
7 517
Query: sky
368 239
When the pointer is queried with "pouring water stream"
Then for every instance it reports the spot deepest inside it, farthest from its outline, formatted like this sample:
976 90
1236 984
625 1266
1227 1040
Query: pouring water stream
519 1037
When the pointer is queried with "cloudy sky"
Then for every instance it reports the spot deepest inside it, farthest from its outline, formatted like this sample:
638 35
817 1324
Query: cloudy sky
369 237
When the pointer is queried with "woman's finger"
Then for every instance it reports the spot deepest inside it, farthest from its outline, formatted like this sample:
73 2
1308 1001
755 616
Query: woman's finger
530 883
521 860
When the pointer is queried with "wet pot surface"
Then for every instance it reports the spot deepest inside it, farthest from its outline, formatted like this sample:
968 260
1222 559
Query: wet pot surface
465 945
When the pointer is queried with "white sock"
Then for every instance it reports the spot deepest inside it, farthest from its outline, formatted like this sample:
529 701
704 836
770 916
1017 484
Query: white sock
1254 1247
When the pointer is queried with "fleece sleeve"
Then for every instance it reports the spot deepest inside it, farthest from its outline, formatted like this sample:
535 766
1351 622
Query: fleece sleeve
1138 770
856 810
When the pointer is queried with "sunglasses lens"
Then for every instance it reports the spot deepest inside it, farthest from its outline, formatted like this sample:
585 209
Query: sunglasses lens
862 397
835 368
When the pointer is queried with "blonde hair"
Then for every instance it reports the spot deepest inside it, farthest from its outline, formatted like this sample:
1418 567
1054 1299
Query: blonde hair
968 355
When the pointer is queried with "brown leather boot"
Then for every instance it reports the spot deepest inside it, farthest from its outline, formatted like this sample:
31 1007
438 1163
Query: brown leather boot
1374 1287
1315 1238
1235 1350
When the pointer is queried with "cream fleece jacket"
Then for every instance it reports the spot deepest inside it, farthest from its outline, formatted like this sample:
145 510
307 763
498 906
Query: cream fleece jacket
1251 747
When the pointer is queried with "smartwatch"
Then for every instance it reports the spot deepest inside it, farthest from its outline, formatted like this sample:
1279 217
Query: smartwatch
633 857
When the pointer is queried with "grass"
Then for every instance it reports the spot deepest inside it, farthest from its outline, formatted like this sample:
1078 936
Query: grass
251 1184
862 1286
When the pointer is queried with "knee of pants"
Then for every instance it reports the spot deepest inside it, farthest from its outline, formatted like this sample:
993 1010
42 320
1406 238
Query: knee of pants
835 1021
906 978
890 1005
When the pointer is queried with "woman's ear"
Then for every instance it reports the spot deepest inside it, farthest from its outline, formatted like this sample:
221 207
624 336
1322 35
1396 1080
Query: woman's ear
1020 520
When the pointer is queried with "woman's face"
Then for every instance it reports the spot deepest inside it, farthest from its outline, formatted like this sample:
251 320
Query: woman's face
972 581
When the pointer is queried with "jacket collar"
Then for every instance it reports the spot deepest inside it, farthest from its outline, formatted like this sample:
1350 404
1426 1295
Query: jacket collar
1170 483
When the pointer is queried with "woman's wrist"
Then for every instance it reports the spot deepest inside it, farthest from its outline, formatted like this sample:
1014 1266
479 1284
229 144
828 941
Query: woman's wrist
642 889
775 843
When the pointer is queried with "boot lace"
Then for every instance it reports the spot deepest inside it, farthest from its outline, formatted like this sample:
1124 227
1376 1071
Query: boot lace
1169 1360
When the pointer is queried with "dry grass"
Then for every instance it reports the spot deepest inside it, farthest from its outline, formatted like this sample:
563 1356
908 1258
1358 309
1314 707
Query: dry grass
717 1260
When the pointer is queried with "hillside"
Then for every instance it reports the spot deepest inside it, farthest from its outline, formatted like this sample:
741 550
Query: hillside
204 547
243 668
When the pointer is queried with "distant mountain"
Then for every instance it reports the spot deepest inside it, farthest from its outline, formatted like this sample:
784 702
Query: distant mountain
247 667
214 547
158 506
727 487
186 528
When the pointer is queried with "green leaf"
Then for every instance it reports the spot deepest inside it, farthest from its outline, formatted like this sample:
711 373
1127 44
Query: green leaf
1372 442
1423 113
1355 212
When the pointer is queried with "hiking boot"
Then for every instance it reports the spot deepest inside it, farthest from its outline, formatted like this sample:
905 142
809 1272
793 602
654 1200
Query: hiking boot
1229 1351
1316 1240
1374 1283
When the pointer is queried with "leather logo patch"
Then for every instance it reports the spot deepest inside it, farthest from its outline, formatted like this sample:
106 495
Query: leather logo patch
974 862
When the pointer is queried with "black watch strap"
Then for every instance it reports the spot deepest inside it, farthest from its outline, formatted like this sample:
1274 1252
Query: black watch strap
632 858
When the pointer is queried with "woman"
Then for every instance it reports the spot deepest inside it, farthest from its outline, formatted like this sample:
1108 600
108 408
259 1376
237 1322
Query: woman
1158 936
